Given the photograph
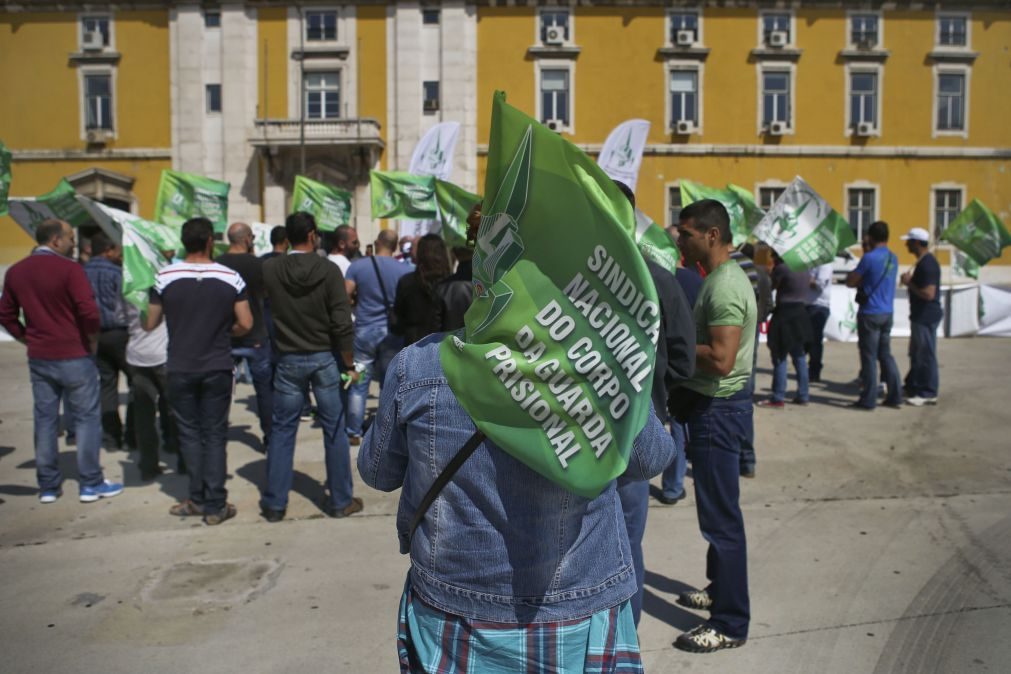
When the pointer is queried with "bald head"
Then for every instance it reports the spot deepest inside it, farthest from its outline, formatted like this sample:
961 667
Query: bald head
386 242
240 238
57 235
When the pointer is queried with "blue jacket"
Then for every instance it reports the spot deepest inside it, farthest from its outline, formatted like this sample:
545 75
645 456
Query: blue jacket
501 543
106 280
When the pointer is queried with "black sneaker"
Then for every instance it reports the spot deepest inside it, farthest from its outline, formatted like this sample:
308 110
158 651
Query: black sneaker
697 599
272 515
706 639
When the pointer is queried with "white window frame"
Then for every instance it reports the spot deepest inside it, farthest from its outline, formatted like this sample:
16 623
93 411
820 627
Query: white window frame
340 92
207 11
207 98
673 185
346 37
571 39
312 9
81 16
934 189
968 30
541 65
669 25
951 69
768 185
438 100
84 71
792 43
777 67
879 71
850 44
875 215
699 70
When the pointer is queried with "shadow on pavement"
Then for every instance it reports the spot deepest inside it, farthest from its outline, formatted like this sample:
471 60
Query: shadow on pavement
242 435
663 610
256 474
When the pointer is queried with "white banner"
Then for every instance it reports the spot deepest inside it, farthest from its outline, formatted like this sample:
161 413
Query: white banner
28 213
963 310
995 311
433 155
622 153
261 238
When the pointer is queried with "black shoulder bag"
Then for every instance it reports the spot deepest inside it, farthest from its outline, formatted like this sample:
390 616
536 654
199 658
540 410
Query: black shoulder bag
392 322
443 479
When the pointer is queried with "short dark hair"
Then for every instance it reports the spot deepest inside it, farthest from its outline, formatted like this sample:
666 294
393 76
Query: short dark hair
342 234
747 250
708 214
878 231
627 191
299 225
101 243
48 230
196 232
278 235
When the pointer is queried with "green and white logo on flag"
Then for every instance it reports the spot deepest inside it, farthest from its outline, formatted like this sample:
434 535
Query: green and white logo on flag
454 204
396 194
182 196
741 207
978 233
803 228
5 177
655 243
556 360
331 206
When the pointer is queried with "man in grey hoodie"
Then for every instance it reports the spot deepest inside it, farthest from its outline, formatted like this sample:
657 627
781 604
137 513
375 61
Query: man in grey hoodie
312 319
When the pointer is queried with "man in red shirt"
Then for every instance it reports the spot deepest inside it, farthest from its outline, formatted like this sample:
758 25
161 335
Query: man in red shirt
61 330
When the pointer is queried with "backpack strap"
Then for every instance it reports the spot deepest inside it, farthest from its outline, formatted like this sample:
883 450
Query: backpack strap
443 479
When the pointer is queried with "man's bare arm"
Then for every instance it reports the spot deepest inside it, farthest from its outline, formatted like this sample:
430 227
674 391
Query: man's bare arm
719 355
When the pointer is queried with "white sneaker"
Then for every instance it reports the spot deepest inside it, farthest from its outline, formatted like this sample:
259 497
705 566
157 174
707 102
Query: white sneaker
918 401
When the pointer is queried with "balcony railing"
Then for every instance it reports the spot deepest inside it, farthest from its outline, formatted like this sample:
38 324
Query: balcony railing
361 131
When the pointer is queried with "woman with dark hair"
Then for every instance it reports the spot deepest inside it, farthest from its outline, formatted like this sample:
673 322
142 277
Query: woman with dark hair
418 308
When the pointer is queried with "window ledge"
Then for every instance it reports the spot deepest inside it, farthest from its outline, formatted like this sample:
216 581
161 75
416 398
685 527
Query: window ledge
776 54
89 57
564 51
953 55
694 52
854 54
334 52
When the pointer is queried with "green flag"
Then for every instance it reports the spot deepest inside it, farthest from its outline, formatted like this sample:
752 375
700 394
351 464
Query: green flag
5 177
963 265
396 194
741 207
331 206
182 196
556 361
978 233
655 243
62 203
803 228
454 204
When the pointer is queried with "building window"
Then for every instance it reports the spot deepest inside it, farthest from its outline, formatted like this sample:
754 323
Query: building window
98 102
321 26
683 25
555 97
684 97
776 98
767 196
774 24
96 25
864 30
863 99
213 97
951 101
554 26
323 95
430 92
860 210
430 17
212 19
947 206
674 205
952 31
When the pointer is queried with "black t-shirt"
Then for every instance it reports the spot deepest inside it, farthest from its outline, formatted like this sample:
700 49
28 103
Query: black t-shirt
250 268
791 286
198 301
927 273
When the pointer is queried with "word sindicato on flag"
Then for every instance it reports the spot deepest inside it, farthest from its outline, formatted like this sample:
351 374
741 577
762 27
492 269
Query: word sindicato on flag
557 357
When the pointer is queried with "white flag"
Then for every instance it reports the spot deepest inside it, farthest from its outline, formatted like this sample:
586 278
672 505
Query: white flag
433 156
261 238
622 153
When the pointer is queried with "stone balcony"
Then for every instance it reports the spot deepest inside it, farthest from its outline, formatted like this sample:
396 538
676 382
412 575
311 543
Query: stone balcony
339 151
286 133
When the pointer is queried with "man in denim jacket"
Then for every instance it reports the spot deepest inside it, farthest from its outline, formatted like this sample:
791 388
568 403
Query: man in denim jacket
502 548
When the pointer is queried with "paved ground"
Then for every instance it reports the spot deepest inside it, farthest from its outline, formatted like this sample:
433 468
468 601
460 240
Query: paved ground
879 543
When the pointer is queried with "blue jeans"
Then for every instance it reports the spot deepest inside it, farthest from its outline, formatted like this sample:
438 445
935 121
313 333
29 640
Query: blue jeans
262 370
374 348
76 381
716 429
819 317
923 376
634 497
295 371
673 480
200 402
748 459
874 334
779 375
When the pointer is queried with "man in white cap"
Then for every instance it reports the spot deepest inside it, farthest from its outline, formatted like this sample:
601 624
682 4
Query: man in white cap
923 282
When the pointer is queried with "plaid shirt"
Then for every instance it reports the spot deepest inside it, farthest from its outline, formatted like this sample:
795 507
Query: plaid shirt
436 642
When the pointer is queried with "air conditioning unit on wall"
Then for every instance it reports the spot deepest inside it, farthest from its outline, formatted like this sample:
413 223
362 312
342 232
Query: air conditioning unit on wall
685 38
684 127
92 41
554 37
97 136
778 38
555 125
777 128
865 129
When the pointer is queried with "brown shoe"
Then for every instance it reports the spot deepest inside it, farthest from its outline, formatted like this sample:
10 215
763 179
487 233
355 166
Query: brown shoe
356 506
217 518
186 508
354 440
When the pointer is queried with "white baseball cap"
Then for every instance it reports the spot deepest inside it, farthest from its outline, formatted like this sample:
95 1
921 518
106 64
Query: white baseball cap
917 234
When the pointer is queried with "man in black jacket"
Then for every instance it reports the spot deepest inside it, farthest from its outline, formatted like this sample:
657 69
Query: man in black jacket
312 319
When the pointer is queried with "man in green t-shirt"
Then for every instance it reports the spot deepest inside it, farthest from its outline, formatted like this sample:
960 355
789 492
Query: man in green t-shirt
718 416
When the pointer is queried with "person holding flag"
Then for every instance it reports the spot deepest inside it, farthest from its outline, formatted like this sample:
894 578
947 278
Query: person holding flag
923 283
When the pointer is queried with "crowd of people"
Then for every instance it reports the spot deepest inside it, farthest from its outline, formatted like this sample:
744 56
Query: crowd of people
507 553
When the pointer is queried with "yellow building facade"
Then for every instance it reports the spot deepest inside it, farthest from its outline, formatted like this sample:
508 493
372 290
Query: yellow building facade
889 112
